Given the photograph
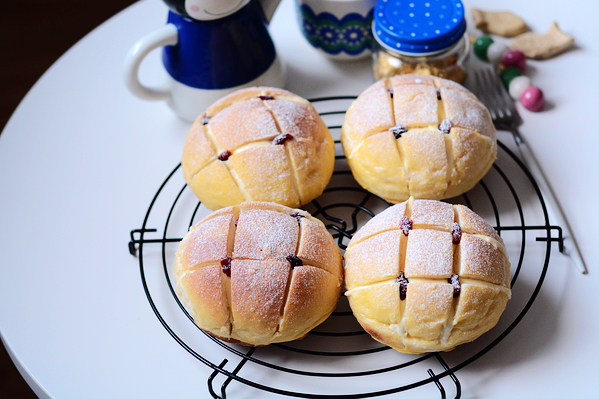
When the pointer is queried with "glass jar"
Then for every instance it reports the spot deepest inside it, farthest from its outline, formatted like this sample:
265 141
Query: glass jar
420 36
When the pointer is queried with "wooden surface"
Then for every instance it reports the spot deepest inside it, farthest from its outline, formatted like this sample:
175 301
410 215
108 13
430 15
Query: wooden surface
33 35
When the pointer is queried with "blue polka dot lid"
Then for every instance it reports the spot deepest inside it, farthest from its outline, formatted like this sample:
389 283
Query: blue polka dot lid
418 27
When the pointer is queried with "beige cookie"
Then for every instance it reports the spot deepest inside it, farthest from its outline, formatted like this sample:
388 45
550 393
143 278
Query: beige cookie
542 46
258 144
419 136
502 23
426 276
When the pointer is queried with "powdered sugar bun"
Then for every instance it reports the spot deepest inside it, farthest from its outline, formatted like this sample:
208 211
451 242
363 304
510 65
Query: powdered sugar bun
258 273
427 276
258 144
419 136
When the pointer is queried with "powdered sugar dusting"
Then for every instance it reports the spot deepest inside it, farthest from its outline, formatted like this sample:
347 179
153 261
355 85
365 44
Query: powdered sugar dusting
409 79
450 84
257 296
389 219
415 105
426 158
203 297
427 307
374 259
467 112
310 289
473 155
265 174
242 123
370 113
480 260
429 253
197 152
294 118
317 246
474 224
207 242
263 234
428 213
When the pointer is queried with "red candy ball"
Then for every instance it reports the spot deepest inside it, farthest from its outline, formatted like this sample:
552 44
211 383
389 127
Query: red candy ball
532 98
515 58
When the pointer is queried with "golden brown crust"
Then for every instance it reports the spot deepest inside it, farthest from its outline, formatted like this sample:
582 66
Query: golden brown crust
396 148
264 296
302 315
231 155
400 286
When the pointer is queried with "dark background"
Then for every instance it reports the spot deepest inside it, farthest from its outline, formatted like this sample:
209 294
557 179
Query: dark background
33 35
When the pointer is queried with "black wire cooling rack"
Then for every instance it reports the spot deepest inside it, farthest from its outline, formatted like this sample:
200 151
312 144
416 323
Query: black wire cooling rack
339 353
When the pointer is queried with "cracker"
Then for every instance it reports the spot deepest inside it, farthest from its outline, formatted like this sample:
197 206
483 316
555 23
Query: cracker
542 46
500 23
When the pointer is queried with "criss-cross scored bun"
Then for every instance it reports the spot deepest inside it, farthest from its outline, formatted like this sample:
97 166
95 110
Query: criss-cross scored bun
425 276
258 144
419 136
258 273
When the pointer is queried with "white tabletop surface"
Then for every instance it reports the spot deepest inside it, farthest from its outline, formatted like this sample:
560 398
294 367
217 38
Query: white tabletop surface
81 159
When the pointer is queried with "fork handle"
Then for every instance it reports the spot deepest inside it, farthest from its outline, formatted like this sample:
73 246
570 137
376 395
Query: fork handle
570 247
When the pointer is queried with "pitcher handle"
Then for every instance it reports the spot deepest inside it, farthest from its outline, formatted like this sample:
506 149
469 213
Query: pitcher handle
165 36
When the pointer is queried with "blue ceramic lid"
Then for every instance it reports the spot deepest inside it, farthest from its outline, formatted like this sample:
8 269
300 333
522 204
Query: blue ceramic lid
418 27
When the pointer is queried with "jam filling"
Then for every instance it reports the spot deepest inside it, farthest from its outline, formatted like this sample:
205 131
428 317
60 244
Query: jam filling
266 97
406 225
438 94
445 126
298 216
282 138
403 285
455 281
225 264
223 156
456 234
205 120
294 260
390 91
398 130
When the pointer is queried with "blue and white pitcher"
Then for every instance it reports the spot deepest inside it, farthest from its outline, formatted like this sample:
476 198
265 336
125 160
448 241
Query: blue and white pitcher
210 49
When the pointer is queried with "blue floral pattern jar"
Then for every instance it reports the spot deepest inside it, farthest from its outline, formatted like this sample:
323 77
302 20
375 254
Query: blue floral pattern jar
420 36
340 28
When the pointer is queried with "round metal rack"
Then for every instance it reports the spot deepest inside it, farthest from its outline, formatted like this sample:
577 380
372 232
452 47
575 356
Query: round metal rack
344 207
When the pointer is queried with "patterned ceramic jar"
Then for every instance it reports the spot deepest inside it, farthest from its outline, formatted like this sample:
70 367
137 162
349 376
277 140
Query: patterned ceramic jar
339 28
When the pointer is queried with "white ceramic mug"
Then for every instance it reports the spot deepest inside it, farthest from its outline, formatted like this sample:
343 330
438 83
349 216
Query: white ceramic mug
339 28
208 58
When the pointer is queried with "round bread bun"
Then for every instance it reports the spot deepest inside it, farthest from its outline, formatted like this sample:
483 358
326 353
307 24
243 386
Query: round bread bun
426 276
419 136
258 144
258 273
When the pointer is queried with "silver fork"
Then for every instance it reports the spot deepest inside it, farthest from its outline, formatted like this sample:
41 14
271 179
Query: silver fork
491 91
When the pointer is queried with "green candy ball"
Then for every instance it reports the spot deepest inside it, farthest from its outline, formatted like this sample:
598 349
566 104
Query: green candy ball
508 74
480 47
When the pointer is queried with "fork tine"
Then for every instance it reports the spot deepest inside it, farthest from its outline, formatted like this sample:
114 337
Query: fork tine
481 91
495 91
484 90
509 104
492 93
503 96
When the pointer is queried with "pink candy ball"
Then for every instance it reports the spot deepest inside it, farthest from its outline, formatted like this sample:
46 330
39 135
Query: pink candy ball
532 98
515 58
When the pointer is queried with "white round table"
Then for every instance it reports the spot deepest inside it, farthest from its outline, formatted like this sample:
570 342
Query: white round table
82 158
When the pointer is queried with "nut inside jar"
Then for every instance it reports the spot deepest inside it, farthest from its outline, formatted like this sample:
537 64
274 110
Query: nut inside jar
448 65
